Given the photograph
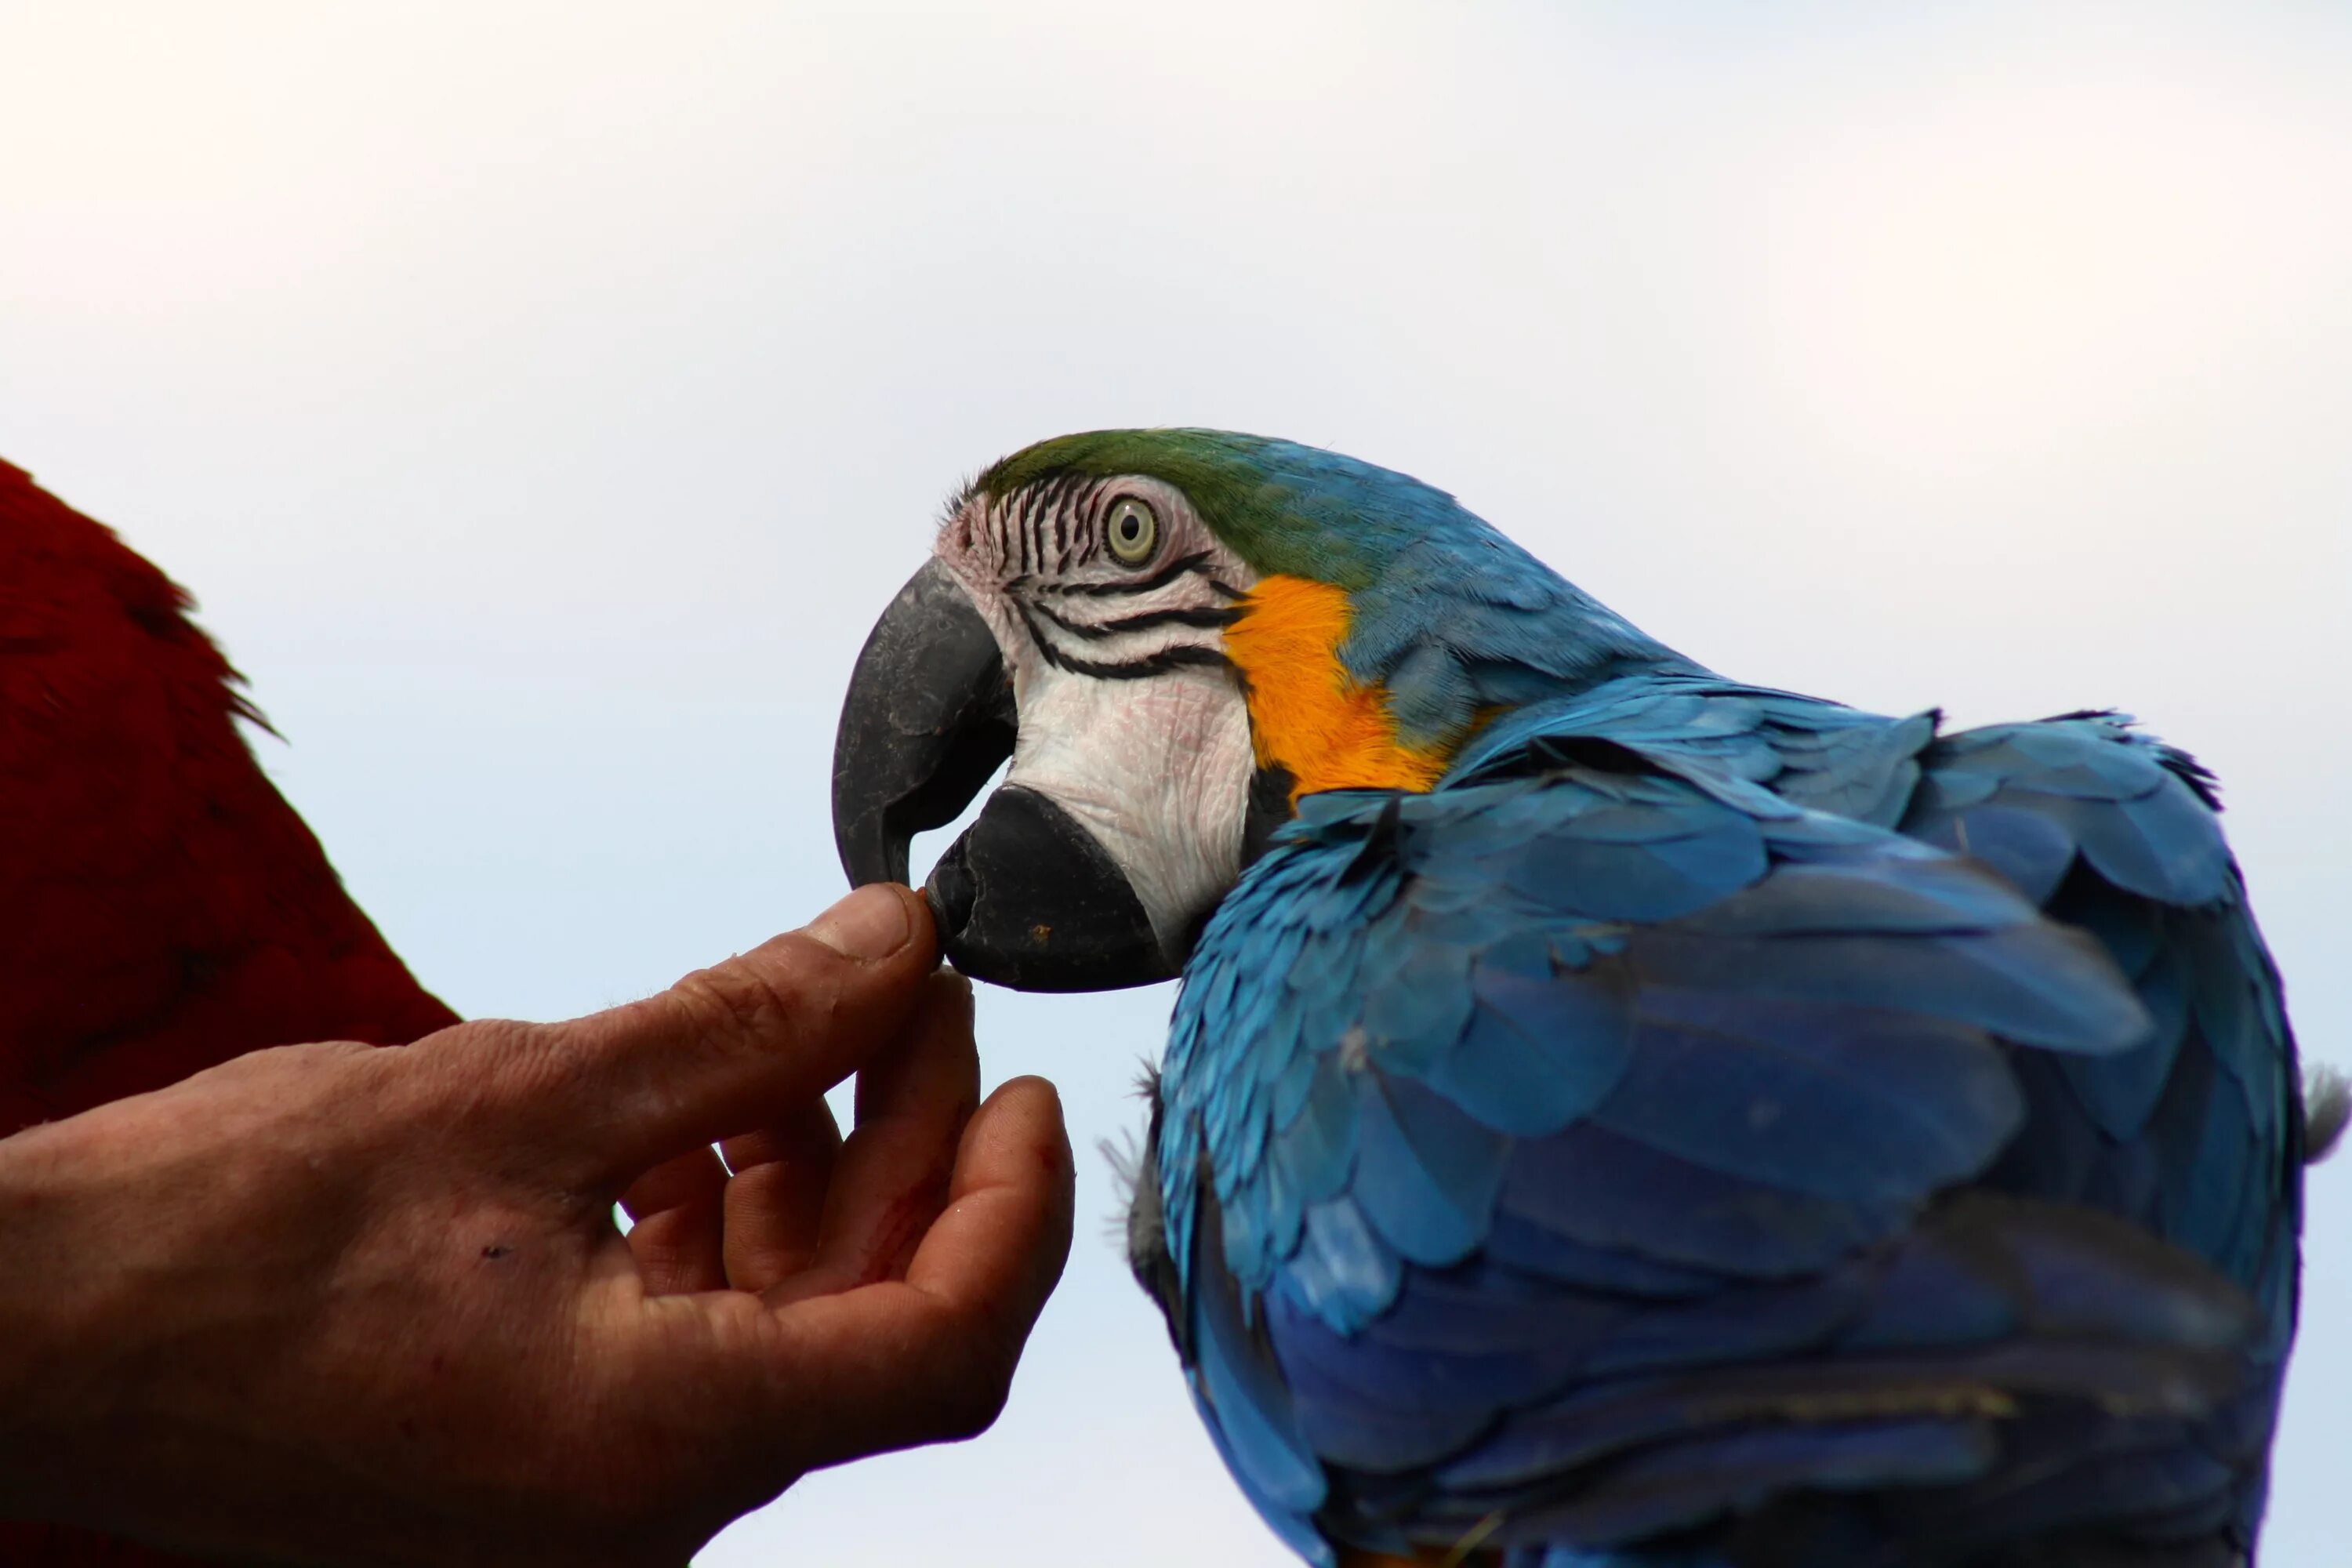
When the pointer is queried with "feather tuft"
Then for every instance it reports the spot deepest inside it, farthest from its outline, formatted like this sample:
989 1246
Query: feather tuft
2326 1106
1125 1156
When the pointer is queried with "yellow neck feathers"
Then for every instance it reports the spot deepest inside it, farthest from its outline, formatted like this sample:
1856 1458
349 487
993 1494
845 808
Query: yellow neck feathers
1307 713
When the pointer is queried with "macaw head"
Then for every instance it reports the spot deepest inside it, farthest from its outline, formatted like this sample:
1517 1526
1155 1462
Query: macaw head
1175 635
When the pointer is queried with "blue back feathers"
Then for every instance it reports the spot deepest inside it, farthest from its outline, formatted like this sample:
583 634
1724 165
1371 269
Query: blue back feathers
1717 1128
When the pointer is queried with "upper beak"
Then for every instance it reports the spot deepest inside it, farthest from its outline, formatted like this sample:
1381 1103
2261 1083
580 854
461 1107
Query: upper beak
1026 898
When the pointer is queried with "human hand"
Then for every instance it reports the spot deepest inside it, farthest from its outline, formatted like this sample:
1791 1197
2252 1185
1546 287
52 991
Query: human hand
335 1303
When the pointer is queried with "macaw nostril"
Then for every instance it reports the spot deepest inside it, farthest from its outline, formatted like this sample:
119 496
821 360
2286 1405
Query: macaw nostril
951 893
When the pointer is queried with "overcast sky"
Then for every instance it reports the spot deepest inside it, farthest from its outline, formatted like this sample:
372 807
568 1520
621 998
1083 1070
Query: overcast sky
543 398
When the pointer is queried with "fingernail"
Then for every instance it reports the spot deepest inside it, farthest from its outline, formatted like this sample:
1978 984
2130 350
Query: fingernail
869 923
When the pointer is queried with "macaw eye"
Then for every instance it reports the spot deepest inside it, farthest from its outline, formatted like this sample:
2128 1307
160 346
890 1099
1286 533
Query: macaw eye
1133 532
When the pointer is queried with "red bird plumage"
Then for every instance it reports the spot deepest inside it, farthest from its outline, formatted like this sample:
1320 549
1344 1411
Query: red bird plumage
162 908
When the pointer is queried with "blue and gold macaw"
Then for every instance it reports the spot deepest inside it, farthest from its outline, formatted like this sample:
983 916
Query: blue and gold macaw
1614 1115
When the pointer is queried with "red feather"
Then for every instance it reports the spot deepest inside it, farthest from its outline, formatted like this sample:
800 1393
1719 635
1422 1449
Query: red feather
162 908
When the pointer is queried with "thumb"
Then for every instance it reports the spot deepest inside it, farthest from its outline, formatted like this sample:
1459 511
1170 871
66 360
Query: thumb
733 1047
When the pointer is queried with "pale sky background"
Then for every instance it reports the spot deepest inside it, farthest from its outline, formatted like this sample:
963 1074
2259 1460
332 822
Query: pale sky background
543 399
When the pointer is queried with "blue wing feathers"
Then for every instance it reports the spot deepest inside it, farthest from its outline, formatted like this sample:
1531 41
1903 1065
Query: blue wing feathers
2041 985
1608 1142
1246 1407
1426 1172
1600 1190
1343 1271
1539 1050
1830 1100
2027 849
1966 1286
1847 896
1417 1001
1532 1248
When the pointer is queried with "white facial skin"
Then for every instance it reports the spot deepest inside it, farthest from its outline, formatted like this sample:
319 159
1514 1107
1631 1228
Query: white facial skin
1129 719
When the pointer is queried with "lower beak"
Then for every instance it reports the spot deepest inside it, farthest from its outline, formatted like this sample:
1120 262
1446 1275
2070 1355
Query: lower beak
1027 898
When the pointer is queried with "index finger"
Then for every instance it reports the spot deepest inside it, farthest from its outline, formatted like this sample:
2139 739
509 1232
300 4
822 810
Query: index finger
728 1048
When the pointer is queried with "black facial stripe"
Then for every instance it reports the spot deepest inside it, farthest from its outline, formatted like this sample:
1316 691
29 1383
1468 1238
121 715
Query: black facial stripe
1160 663
1207 619
1078 509
1080 512
1099 499
1213 617
1089 538
1157 663
1195 564
1043 510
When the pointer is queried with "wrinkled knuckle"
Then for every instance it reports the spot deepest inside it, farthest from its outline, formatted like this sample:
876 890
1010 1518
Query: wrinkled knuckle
501 1043
321 1054
523 1056
739 1006
484 1068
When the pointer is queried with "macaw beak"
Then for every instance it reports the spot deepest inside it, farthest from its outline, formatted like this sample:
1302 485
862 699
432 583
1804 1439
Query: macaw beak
1026 898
